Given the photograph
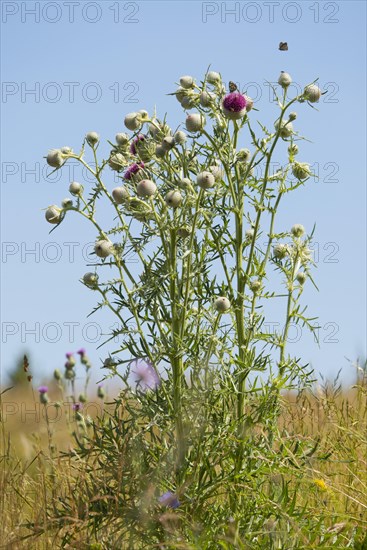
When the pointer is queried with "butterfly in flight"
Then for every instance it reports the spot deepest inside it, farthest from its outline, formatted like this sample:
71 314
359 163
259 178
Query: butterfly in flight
232 86
283 46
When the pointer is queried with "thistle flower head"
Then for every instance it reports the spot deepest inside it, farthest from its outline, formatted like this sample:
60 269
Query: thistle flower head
103 248
132 170
75 188
180 137
222 304
213 77
234 105
90 279
301 170
145 375
92 138
132 121
195 122
146 188
186 82
297 230
138 138
284 79
55 158
312 93
53 214
43 389
120 194
173 198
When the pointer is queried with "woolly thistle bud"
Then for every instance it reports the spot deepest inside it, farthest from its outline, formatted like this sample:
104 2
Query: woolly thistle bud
184 183
120 194
234 105
117 161
297 230
284 79
122 139
180 137
195 122
312 93
249 103
146 188
280 251
184 231
187 82
82 398
103 248
292 116
180 94
222 304
255 286
243 155
92 138
44 398
160 151
132 121
301 277
66 150
205 180
100 392
206 99
188 102
293 150
143 114
53 214
173 198
213 78
285 128
90 279
55 158
75 188
301 170
57 374
168 143
217 172
249 234
66 203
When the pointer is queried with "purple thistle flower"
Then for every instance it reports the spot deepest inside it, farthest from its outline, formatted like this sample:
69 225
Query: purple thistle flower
234 105
81 352
140 137
145 375
77 407
43 389
169 499
132 170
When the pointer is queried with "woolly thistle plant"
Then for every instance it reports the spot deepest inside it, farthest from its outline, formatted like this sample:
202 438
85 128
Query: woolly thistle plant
195 205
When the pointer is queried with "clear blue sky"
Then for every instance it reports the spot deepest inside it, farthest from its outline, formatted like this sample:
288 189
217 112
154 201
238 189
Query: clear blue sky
87 62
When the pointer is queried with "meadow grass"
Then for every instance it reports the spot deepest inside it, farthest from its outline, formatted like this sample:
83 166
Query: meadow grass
40 472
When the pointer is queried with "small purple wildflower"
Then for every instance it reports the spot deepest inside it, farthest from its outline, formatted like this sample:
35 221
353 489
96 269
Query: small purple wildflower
145 375
132 170
43 389
77 407
234 105
81 352
140 137
170 500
